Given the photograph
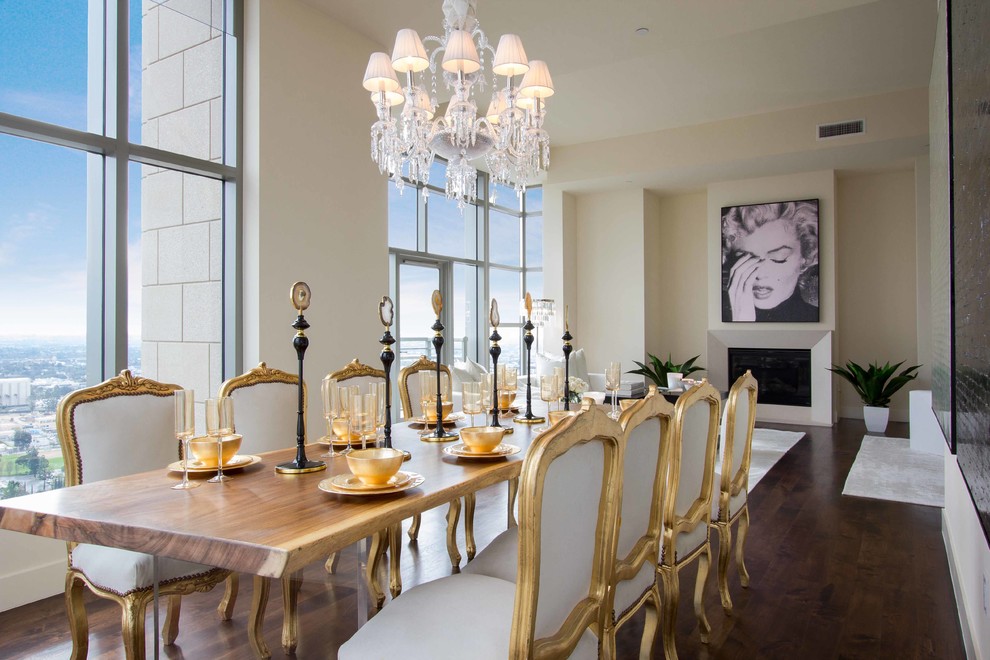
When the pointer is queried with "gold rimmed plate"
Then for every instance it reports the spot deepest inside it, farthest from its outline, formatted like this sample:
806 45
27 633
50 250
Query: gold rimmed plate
460 450
235 463
345 484
452 418
337 442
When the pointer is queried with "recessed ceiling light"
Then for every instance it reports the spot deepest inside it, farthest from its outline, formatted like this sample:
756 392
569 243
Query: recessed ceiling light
643 31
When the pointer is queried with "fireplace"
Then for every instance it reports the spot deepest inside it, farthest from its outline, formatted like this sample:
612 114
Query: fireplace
783 374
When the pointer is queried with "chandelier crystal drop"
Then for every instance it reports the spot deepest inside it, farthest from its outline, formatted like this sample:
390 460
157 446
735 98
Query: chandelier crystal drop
509 136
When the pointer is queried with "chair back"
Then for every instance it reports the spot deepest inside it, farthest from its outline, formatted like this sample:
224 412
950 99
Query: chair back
122 426
737 442
690 482
357 373
266 402
569 495
409 384
646 460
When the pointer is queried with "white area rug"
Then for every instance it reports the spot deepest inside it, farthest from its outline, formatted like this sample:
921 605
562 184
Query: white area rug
768 446
887 469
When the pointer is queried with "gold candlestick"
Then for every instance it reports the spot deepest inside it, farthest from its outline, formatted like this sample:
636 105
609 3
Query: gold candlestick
529 417
440 435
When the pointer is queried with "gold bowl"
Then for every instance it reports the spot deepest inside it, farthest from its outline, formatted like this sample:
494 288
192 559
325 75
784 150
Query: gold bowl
203 449
482 439
431 410
375 466
557 415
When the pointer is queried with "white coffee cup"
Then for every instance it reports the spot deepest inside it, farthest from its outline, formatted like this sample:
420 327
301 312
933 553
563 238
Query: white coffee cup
674 381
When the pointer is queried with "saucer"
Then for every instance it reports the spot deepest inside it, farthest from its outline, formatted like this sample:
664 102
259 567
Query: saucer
352 482
452 418
337 442
334 485
235 463
460 450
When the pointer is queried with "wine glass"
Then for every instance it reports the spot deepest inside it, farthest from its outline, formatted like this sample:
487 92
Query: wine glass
219 424
340 425
378 388
487 385
348 397
508 382
331 409
471 399
558 374
613 381
548 394
364 417
185 416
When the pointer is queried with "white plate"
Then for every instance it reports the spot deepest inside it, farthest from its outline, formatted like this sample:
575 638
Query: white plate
329 485
460 450
235 463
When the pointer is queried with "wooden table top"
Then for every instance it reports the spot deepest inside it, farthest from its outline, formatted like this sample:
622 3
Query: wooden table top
259 522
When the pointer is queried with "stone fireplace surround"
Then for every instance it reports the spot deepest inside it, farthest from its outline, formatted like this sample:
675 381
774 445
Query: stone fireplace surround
822 410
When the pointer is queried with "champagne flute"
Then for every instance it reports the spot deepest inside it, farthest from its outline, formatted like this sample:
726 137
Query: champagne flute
364 417
340 405
331 409
558 374
185 415
508 382
487 402
471 399
613 381
348 401
219 424
378 389
548 393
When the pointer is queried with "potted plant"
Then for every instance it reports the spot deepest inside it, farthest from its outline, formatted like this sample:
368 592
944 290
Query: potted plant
875 386
663 373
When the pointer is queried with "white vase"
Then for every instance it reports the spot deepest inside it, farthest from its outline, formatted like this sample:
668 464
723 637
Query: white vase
876 418
674 381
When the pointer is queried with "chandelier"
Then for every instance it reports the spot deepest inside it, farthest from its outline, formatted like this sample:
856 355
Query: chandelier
510 135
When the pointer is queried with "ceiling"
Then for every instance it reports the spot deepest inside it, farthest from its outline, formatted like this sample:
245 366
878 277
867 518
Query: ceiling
702 60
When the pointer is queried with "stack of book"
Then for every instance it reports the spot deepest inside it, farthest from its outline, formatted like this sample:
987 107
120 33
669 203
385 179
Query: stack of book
632 389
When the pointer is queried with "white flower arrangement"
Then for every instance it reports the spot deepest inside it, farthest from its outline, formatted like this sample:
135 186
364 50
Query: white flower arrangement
577 388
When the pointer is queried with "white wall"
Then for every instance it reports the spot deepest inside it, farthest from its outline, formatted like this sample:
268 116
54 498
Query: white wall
315 204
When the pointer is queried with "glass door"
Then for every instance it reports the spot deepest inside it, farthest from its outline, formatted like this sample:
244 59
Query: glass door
418 279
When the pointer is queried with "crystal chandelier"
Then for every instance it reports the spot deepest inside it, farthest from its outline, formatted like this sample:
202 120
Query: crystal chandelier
510 135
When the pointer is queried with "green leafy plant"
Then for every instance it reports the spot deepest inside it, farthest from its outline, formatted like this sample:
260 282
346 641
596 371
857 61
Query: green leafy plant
658 369
875 384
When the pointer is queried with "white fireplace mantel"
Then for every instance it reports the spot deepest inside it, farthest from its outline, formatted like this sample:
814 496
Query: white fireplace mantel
822 410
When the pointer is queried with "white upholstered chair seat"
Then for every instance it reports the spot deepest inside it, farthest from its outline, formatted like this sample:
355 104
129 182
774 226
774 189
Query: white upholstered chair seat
474 622
499 559
125 571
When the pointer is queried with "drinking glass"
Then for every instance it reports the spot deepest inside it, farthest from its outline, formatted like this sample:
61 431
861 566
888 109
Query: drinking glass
340 414
613 381
348 397
378 389
487 385
219 424
471 399
548 394
331 410
558 374
185 416
364 417
508 382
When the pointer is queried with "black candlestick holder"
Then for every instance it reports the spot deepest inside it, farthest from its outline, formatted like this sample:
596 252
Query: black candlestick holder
440 435
529 417
300 294
567 348
495 351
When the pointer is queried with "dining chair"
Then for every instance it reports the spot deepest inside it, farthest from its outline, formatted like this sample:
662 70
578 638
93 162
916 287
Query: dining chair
688 505
732 505
123 426
555 605
646 460
266 403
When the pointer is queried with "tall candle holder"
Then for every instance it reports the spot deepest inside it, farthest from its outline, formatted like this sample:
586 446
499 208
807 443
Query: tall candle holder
529 417
567 360
300 296
440 435
495 351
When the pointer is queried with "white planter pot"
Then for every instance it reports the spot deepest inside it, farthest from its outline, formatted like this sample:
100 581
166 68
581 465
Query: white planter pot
876 418
674 381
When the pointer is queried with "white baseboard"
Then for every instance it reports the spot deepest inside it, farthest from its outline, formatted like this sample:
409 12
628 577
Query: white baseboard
958 591
33 584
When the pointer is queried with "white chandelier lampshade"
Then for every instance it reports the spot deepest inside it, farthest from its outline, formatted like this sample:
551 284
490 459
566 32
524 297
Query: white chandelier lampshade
510 57
537 82
408 54
509 136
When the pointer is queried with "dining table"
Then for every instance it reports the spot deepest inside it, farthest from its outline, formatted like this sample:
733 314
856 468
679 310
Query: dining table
263 523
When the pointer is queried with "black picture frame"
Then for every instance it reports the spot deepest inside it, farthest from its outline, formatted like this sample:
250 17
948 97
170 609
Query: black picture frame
770 267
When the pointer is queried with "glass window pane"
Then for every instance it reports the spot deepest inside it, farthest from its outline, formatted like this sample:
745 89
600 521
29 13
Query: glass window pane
416 286
505 196
503 238
177 91
503 286
464 338
438 173
43 298
534 283
534 199
510 344
450 231
175 268
534 241
402 217
44 60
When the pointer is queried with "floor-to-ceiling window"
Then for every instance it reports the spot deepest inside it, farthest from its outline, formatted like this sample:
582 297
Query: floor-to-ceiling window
118 196
492 248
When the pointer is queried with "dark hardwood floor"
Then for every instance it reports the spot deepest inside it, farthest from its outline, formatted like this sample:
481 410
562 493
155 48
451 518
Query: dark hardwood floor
832 577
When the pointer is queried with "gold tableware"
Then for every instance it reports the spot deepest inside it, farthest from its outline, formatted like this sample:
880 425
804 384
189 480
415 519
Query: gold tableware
431 410
235 463
375 466
203 450
352 482
482 439
332 485
460 450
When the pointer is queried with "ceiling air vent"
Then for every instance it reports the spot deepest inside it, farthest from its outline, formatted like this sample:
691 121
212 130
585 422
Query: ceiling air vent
839 129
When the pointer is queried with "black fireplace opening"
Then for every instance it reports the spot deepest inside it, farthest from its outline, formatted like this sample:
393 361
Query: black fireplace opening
783 374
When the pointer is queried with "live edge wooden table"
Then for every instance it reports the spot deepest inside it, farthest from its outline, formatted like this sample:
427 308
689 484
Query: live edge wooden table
262 523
